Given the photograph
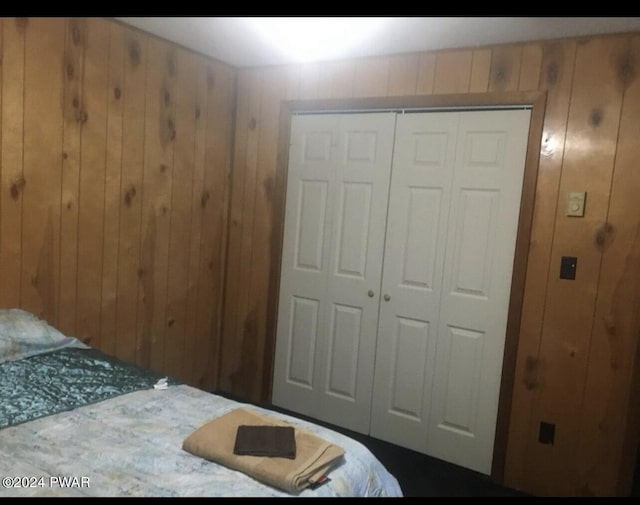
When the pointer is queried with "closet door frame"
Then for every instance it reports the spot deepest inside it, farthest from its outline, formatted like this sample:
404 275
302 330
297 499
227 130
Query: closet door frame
536 100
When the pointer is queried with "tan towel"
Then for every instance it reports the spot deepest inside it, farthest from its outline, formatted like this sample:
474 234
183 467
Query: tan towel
215 441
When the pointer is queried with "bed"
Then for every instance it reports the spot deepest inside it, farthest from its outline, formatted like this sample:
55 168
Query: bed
77 422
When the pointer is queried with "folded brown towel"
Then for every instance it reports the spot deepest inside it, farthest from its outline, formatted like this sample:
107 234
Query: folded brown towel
215 441
267 441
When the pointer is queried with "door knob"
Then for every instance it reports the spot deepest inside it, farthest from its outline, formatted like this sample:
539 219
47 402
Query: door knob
371 293
387 298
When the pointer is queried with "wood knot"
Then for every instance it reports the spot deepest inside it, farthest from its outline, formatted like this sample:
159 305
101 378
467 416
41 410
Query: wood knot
163 209
500 75
65 156
81 116
70 71
610 326
16 187
552 74
140 273
163 167
530 372
211 265
253 123
21 24
69 205
197 112
75 102
117 93
170 323
75 34
605 235
572 354
171 65
134 53
626 68
128 196
204 199
35 281
596 116
171 128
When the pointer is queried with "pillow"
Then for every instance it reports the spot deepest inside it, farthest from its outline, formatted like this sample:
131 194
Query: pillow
22 334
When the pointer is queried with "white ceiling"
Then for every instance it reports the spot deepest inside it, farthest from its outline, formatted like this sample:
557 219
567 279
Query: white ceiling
230 39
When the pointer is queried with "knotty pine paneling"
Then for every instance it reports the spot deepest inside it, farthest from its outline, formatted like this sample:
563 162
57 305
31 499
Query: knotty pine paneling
617 309
214 202
339 77
133 97
75 36
530 67
180 217
505 68
12 182
564 371
113 180
195 234
157 186
114 169
556 78
403 75
239 319
452 72
42 164
480 70
91 197
371 77
593 120
426 73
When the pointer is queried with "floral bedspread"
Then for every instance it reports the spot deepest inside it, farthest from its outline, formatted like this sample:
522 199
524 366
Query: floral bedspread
131 445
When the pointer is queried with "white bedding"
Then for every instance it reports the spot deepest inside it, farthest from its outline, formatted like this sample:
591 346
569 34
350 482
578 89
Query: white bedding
131 445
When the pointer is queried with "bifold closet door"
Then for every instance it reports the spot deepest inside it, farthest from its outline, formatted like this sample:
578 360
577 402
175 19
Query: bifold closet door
422 175
453 216
335 215
481 239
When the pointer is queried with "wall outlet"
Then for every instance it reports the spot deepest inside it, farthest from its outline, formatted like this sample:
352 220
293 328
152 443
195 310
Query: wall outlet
547 433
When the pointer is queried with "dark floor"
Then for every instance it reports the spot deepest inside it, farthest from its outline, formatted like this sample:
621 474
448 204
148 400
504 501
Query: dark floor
422 475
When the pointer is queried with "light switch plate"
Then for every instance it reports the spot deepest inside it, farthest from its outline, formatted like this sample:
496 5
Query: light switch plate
575 203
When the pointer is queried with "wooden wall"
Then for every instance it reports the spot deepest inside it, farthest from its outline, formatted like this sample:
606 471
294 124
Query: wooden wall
114 167
578 339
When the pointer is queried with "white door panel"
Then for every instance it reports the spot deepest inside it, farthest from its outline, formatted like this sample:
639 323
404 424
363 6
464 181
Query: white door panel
422 175
485 205
303 329
335 216
305 253
363 166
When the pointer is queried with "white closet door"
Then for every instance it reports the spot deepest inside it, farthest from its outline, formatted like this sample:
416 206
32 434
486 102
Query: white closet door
421 181
335 216
481 235
305 253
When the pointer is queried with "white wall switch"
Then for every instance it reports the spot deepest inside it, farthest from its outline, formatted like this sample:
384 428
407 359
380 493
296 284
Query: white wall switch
575 203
